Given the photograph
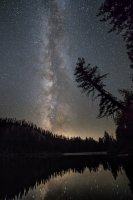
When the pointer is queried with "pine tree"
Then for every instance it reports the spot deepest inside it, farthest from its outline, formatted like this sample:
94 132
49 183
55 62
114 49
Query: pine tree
119 14
91 82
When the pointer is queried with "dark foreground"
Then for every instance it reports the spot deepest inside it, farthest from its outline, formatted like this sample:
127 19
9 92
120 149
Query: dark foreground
63 178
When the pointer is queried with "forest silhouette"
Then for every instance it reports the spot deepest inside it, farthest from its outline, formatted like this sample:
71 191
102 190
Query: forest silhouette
21 137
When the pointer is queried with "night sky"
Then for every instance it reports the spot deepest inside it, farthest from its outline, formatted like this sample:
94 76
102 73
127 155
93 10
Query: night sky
40 42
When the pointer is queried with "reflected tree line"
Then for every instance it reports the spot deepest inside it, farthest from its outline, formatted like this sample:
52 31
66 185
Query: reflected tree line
19 176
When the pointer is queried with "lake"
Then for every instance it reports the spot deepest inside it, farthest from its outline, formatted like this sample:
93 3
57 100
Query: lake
65 178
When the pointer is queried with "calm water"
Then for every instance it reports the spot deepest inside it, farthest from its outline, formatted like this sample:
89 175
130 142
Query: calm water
66 178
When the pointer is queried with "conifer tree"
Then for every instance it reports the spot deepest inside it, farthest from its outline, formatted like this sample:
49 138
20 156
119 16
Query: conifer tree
119 14
91 82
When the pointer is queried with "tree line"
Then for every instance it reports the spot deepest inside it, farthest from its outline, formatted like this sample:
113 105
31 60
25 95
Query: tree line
24 137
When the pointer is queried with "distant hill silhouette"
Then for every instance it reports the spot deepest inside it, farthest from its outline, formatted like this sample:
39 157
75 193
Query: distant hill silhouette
25 137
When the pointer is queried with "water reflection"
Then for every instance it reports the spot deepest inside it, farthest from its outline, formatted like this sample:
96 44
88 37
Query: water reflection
66 178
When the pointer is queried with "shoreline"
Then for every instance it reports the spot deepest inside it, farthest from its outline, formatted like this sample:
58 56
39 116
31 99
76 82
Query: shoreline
60 154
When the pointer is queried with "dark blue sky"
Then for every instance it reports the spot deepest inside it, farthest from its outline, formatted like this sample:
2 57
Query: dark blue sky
40 43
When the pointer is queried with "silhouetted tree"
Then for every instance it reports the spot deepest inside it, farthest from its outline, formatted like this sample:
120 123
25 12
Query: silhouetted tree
119 13
91 82
124 131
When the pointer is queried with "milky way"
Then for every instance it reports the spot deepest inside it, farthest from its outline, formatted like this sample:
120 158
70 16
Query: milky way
54 108
40 43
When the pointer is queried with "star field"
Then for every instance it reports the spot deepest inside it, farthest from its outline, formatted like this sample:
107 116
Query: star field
40 44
